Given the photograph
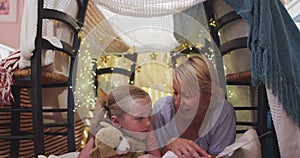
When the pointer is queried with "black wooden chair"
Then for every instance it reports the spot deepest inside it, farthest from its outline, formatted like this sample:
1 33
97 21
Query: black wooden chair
36 79
259 104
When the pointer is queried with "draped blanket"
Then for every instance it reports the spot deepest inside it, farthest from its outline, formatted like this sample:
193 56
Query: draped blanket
7 65
274 40
147 8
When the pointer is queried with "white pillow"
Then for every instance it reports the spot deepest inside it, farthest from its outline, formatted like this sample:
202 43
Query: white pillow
247 146
67 155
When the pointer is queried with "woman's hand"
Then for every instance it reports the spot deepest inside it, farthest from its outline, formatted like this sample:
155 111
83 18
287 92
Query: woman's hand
185 148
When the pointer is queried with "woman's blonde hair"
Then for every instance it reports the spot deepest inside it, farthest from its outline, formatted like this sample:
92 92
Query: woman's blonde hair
118 102
195 75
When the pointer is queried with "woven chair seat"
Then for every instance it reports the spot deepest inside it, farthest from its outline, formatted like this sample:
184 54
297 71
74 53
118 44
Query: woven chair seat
241 77
53 144
47 77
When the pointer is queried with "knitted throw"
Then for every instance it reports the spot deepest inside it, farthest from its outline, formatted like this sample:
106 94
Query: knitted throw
274 40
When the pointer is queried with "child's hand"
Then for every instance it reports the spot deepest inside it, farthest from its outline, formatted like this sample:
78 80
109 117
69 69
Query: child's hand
151 138
147 156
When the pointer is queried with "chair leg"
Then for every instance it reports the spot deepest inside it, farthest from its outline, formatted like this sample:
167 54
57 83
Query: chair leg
37 124
70 118
37 111
262 110
275 142
15 122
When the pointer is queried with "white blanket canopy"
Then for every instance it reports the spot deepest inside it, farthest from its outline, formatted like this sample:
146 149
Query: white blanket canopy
147 8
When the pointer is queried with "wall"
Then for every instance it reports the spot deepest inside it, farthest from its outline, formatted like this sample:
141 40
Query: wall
10 31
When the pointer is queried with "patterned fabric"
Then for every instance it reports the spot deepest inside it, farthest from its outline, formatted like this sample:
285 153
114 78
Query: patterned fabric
7 65
287 132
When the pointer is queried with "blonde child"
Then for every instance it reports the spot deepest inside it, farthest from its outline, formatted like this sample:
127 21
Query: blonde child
128 108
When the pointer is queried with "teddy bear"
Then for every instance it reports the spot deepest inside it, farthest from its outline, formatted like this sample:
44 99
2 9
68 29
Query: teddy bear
110 141
137 148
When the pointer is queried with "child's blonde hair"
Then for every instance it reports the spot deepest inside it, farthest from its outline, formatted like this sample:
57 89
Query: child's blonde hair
118 102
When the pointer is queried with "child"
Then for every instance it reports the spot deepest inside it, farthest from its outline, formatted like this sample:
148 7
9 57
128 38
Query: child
129 108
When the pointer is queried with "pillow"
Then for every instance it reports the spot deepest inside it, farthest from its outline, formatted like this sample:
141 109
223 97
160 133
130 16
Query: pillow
67 155
247 146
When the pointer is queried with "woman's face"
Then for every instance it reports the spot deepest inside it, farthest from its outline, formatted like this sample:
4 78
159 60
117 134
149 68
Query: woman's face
187 106
137 123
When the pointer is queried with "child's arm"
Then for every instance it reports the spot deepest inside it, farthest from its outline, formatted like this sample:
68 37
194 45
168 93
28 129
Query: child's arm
85 152
152 154
152 145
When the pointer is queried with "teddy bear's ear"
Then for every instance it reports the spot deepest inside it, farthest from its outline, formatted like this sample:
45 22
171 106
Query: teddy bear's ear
105 124
102 96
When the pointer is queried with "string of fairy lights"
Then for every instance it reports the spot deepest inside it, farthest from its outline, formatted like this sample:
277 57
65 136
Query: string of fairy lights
85 93
85 89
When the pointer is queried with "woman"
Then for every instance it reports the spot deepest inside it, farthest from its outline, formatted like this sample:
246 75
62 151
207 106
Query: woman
197 120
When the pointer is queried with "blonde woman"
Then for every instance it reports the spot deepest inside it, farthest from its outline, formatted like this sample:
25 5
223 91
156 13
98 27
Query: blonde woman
196 121
128 108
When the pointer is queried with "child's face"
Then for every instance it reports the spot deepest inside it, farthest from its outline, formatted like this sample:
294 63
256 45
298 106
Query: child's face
137 122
